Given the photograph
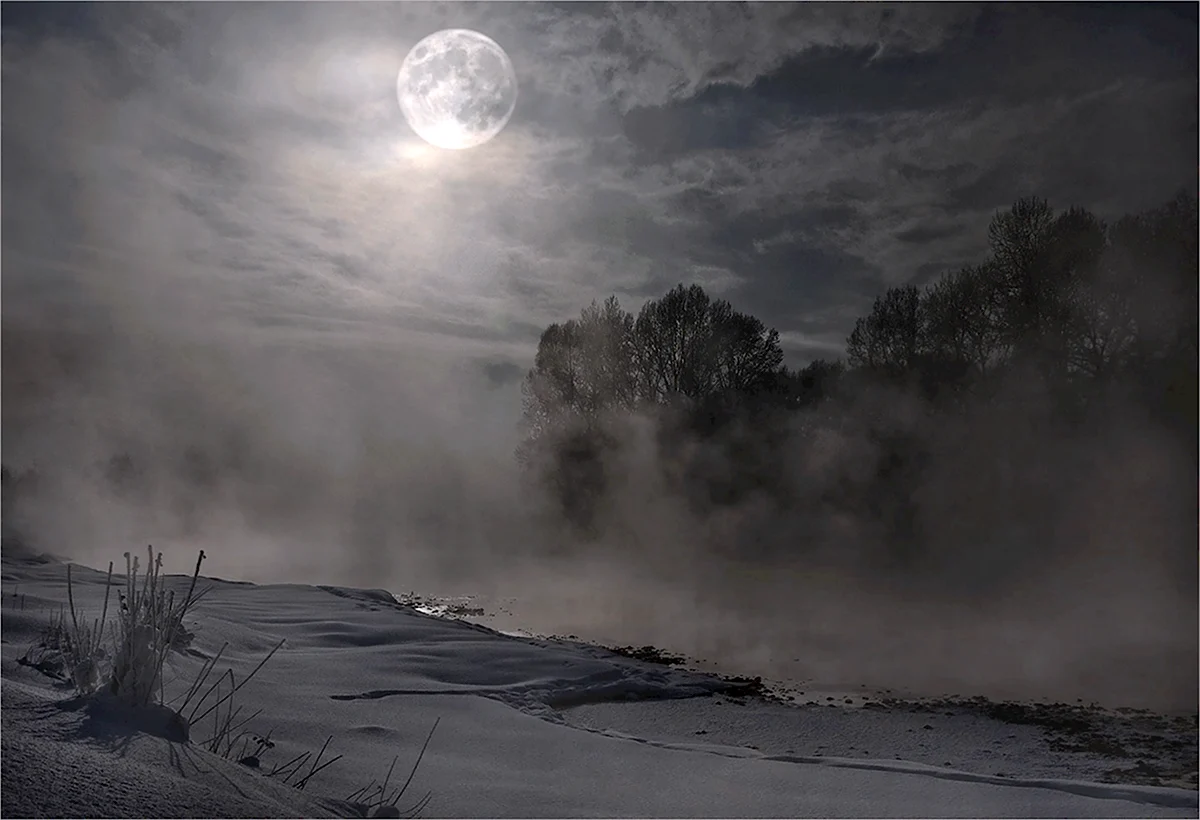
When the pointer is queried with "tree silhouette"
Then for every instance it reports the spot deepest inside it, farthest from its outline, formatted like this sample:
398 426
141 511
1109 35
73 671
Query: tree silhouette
691 348
582 369
1095 324
816 382
1017 238
684 351
1083 307
891 337
963 319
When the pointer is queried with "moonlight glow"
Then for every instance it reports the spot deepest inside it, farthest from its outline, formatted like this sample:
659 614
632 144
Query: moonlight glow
457 88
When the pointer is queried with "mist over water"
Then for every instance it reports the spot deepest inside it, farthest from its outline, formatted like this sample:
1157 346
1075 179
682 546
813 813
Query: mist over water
1051 567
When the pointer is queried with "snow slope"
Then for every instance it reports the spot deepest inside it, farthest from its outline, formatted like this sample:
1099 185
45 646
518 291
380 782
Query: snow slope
375 674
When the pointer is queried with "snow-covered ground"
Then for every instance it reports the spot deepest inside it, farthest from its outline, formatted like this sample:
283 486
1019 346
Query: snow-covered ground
537 727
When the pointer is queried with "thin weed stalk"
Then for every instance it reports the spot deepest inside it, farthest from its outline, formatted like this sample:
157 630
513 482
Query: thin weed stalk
80 645
245 680
202 677
378 796
420 756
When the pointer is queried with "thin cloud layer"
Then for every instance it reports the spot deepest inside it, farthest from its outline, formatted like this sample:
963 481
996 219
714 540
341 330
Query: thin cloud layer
257 154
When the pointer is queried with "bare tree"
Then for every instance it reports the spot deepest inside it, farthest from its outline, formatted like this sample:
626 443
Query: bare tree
891 337
964 321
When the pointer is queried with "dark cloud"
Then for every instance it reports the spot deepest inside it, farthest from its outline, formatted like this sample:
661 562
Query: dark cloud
923 234
700 124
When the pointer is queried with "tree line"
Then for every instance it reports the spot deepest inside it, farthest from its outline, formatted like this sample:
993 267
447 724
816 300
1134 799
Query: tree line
1079 302
1065 316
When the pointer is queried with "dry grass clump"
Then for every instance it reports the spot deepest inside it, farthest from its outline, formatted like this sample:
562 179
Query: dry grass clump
147 627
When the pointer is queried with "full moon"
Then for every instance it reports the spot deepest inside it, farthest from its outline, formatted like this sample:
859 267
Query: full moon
457 88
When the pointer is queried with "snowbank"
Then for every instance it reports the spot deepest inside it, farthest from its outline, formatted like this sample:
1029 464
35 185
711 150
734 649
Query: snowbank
375 674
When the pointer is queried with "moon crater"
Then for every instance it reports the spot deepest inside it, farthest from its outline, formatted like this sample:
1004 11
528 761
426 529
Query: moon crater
457 88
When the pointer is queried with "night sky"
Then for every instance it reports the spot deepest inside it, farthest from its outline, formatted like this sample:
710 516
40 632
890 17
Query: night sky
247 165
